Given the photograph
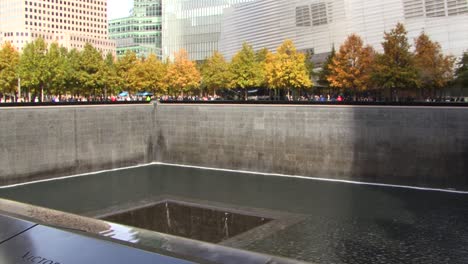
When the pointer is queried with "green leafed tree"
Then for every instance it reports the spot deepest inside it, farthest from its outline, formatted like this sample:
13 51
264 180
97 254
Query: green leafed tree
182 75
91 62
9 61
108 73
351 67
56 59
34 69
434 68
395 68
124 68
325 72
72 81
215 73
287 69
246 72
461 72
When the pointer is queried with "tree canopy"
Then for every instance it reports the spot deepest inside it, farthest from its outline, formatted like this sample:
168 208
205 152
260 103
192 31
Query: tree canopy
395 68
462 71
182 75
435 70
287 68
215 72
351 68
9 61
33 68
246 71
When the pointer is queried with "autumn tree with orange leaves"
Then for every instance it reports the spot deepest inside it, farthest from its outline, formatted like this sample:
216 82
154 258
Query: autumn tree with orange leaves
182 75
351 68
435 70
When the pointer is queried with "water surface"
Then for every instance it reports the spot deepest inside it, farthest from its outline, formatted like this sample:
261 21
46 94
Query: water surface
340 222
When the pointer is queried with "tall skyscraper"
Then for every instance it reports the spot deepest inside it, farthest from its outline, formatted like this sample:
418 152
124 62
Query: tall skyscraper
70 23
141 31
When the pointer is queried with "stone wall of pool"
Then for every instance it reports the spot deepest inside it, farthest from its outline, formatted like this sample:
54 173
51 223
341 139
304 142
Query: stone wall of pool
47 142
417 146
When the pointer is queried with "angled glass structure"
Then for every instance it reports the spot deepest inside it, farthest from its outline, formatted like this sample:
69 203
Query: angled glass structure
141 31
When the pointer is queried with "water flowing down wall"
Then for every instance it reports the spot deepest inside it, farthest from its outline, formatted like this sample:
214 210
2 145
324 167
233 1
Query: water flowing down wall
46 142
418 146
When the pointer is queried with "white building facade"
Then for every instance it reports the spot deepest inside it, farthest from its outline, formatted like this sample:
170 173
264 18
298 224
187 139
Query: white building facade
70 23
318 25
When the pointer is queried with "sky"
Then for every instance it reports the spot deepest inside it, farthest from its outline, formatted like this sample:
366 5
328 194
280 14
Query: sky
118 8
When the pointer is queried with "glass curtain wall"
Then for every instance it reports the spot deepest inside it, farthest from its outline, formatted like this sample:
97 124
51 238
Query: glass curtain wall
193 25
141 31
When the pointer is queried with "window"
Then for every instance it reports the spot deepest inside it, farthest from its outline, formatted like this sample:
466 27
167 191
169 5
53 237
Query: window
303 16
319 14
434 8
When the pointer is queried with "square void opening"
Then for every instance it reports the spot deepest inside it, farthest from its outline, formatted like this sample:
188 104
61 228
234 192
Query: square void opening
194 222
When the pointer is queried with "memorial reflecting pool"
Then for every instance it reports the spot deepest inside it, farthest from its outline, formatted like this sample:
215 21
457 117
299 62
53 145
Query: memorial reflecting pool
304 219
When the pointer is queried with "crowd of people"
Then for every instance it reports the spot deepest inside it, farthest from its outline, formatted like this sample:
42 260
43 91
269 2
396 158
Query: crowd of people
148 98
74 99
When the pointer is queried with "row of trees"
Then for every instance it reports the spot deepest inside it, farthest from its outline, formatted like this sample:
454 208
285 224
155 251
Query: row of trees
54 70
354 68
358 68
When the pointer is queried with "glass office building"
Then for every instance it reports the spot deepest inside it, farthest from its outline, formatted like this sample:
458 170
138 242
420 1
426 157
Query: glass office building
204 26
141 31
194 25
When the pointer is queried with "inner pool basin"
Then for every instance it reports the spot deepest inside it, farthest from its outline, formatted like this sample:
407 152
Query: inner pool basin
293 218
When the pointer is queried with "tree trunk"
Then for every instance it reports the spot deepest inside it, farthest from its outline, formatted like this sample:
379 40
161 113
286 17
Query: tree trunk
42 93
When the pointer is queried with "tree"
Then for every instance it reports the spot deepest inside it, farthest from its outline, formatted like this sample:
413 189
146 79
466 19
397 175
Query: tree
33 69
461 72
435 70
245 70
261 55
57 62
9 61
182 75
136 76
326 72
155 73
89 75
108 72
287 69
124 66
215 73
351 67
395 68
148 75
72 80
